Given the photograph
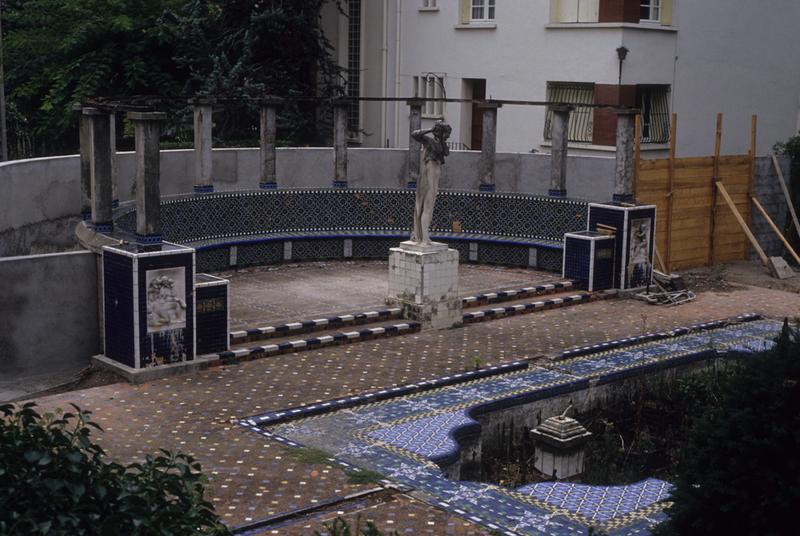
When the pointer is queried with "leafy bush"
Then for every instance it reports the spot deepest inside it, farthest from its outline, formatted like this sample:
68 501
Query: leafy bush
739 472
789 147
54 480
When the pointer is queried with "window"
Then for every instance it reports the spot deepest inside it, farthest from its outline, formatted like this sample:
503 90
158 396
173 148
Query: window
653 101
482 10
650 10
580 120
429 3
430 86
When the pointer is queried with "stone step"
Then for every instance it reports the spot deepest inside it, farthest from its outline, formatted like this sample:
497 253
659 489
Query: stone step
478 300
525 306
295 329
288 344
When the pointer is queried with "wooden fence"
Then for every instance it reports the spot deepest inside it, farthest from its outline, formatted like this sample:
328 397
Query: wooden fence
695 226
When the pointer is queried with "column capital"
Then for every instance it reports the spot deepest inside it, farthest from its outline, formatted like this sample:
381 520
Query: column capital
561 108
202 101
87 110
146 116
626 111
489 105
269 100
416 102
342 102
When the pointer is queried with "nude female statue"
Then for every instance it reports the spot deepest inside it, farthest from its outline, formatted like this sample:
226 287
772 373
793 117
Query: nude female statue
427 188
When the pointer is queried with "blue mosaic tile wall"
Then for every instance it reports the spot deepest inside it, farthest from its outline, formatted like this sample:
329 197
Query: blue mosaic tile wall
211 314
118 307
222 217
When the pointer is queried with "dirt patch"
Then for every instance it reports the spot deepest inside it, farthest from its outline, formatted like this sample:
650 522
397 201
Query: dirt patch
734 276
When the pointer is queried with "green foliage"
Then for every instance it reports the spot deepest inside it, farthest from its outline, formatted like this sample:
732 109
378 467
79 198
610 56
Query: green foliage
739 472
789 147
311 455
240 48
54 480
341 527
363 477
58 52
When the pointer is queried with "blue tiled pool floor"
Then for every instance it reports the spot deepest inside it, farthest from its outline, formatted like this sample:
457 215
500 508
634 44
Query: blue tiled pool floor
403 438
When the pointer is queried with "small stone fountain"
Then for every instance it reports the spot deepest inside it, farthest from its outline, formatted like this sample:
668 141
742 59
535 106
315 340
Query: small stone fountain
560 446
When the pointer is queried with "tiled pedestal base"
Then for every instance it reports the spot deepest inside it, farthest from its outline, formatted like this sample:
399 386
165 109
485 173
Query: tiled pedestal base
423 281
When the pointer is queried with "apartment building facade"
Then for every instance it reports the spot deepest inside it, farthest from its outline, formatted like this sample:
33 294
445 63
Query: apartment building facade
692 57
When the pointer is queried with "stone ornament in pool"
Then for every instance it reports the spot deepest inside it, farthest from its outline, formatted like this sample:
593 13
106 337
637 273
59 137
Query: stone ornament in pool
408 437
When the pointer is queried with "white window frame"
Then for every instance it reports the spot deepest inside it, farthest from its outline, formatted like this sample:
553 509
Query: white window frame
654 9
429 4
486 10
430 86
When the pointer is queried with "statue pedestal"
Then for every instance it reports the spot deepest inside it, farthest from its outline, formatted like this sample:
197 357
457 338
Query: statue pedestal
423 281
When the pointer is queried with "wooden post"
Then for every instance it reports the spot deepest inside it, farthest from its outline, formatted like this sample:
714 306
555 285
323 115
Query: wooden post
752 170
786 193
673 134
714 180
775 228
741 221
637 153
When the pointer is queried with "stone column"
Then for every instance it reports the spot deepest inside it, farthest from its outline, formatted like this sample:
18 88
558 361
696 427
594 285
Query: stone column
558 155
269 130
623 174
414 147
203 144
340 109
488 146
112 124
100 169
147 132
86 165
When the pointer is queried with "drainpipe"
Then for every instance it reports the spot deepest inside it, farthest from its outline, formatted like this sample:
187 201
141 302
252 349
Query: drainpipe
397 56
384 69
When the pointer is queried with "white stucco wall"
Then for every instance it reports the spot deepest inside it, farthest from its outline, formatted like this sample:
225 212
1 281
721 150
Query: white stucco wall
729 56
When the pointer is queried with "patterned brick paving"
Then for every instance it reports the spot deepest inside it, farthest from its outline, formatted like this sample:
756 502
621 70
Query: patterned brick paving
252 478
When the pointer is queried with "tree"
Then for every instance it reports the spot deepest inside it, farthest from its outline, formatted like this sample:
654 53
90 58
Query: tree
245 49
54 480
739 472
58 52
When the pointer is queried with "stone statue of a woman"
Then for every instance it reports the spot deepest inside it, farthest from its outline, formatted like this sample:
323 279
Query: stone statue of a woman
428 186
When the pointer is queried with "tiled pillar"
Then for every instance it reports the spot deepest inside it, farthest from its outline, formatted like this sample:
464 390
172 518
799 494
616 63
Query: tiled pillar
623 174
147 131
203 144
414 153
100 169
558 157
86 164
488 146
269 129
340 108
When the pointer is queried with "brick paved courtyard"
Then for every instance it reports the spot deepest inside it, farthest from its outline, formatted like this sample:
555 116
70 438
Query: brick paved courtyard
253 478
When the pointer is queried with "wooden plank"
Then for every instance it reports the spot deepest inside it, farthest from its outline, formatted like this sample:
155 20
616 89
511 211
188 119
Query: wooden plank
715 178
751 169
734 159
693 162
741 221
786 192
777 231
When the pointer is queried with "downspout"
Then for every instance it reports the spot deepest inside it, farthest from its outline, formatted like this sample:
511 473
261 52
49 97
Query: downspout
397 106
384 70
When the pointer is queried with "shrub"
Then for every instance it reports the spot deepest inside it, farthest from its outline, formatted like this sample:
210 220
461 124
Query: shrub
54 480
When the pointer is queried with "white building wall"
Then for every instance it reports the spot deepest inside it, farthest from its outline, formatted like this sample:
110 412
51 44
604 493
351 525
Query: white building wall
732 56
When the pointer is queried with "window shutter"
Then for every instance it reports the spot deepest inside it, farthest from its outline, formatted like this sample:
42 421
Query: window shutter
464 11
666 12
